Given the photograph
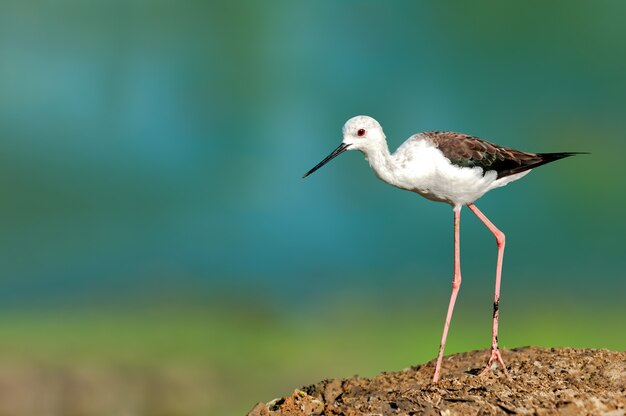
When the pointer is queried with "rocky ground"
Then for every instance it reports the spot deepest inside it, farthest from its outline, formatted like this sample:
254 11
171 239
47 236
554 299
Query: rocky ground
541 381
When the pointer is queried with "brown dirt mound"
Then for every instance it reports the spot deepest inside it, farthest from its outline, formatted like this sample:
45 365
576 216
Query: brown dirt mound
542 381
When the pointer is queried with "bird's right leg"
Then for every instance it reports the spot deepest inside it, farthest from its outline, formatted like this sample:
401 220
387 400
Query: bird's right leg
456 284
495 355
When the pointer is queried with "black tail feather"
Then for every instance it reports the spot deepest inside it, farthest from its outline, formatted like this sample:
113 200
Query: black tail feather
542 159
550 157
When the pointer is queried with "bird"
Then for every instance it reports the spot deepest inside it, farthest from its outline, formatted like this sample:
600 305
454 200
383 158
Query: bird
448 167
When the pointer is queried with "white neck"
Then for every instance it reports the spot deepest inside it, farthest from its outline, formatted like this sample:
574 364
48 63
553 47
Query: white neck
381 161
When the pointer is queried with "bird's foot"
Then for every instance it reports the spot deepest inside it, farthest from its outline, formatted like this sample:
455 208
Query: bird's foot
495 357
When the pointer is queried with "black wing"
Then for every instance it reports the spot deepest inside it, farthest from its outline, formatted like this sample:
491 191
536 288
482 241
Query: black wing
469 151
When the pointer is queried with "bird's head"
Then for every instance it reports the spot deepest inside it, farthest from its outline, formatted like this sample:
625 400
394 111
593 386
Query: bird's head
359 133
362 133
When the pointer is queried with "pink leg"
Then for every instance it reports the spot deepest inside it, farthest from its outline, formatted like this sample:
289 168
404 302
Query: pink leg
456 284
500 239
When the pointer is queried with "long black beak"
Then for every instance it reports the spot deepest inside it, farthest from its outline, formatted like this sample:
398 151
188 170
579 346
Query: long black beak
339 150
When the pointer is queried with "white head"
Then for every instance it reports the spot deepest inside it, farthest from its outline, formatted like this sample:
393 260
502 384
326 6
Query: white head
359 133
362 133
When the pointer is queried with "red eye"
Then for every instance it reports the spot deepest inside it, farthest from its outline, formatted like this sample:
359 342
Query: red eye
361 132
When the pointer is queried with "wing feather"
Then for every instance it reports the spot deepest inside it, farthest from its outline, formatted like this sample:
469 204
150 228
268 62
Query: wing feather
469 151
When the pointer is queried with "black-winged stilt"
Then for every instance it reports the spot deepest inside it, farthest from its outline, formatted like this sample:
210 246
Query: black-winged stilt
445 167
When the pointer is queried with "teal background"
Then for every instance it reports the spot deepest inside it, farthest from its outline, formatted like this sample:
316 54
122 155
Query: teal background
155 229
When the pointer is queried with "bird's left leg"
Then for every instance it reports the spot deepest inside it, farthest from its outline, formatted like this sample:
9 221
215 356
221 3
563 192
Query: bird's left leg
500 240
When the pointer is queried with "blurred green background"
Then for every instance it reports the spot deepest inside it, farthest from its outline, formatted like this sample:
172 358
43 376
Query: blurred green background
161 255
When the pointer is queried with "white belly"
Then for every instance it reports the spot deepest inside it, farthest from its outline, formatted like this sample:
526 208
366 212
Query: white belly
462 189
